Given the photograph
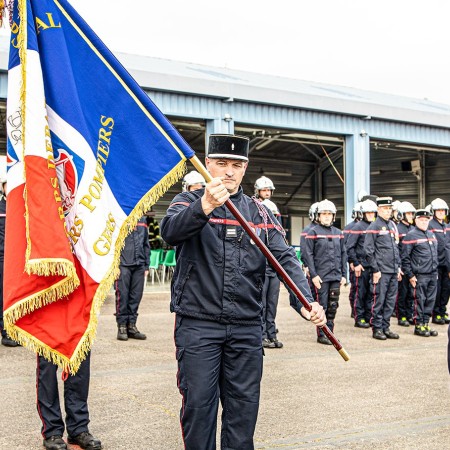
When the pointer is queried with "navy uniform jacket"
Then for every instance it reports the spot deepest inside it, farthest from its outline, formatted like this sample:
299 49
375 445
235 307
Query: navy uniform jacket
419 253
440 231
325 253
2 226
303 235
347 230
136 251
381 246
220 272
355 244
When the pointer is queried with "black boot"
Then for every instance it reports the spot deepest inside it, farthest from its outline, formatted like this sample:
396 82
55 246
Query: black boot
420 330
403 322
55 443
362 324
8 342
134 333
432 332
446 318
85 440
378 334
390 334
323 340
122 334
439 320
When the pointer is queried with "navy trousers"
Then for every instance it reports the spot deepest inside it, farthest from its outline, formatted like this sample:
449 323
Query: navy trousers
442 293
271 292
424 296
322 296
384 294
363 299
218 361
404 299
76 390
129 290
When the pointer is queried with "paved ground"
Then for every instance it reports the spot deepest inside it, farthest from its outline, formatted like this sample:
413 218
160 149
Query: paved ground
391 395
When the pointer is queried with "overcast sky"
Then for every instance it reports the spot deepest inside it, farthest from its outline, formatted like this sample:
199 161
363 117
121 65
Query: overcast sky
394 46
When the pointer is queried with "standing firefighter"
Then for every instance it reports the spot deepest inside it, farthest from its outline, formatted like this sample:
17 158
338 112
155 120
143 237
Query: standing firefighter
193 181
383 258
420 265
313 218
327 262
437 225
357 257
216 295
263 191
404 306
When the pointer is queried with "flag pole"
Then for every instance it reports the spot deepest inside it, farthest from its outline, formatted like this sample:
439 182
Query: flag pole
274 263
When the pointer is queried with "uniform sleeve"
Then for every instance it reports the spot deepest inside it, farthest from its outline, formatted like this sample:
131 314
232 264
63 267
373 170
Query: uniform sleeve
146 248
343 258
310 241
447 249
303 246
287 258
369 249
407 247
184 219
351 248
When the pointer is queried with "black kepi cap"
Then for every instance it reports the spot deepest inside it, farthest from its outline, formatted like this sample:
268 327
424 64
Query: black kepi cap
228 146
381 201
423 213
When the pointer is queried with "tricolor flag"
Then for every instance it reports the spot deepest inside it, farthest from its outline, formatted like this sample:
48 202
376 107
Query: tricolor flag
88 154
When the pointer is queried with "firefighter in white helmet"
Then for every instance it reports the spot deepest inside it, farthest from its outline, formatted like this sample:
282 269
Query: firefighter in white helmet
405 300
327 263
263 192
193 181
356 216
438 226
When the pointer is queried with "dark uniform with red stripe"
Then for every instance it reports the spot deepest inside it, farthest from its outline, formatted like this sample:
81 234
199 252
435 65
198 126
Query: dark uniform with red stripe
404 305
134 261
325 256
216 295
420 259
443 287
303 235
352 292
383 256
356 255
2 252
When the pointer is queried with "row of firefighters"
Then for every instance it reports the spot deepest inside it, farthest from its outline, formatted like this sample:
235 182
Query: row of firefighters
399 261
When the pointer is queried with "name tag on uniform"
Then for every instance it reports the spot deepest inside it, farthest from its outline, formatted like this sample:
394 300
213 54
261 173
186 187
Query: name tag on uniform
231 232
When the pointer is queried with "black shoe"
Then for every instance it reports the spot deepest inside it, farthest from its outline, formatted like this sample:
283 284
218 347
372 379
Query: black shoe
432 332
378 334
446 318
122 334
134 333
8 342
411 321
439 320
85 440
420 330
403 322
362 324
323 340
390 334
272 343
55 443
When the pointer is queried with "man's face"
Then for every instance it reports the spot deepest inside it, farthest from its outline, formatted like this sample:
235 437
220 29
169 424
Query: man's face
385 211
232 171
370 216
265 193
440 214
422 223
409 217
326 218
194 187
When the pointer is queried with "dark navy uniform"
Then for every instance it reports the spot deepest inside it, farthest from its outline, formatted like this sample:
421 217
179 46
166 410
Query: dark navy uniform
382 256
303 235
352 292
76 390
404 306
420 259
443 287
134 261
216 295
2 253
325 256
357 256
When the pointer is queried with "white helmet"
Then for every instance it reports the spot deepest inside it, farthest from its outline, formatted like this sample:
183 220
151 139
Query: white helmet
192 178
368 206
438 203
395 205
404 208
428 208
326 206
312 212
271 206
356 210
263 183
